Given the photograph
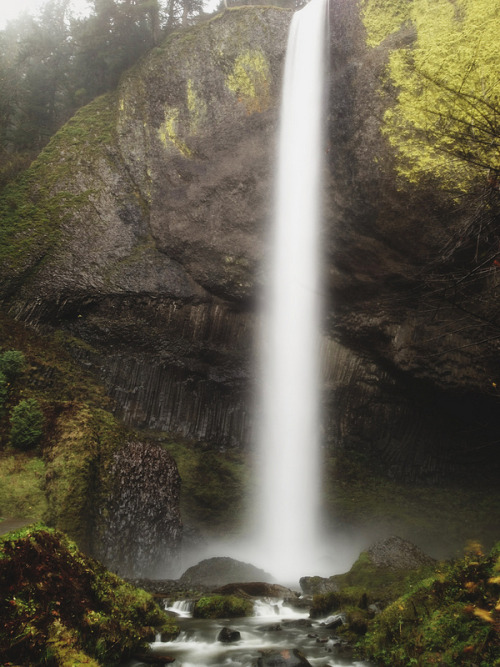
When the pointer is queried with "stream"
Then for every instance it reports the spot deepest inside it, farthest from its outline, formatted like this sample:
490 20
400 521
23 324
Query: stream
272 627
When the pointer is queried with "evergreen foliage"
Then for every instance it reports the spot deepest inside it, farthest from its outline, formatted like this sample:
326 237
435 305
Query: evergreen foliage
12 363
26 424
446 122
53 63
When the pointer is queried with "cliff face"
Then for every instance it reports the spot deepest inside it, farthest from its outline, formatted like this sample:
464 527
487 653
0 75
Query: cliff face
140 230
412 276
156 197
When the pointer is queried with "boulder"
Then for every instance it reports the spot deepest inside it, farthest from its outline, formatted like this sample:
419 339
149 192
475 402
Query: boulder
259 589
297 623
335 621
228 636
282 658
317 585
222 570
396 553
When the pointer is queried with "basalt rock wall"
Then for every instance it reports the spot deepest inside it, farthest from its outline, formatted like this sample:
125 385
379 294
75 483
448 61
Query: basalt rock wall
158 198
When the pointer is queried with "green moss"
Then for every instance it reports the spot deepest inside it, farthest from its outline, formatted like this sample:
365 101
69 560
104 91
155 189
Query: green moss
213 486
60 607
449 619
33 207
84 441
222 606
249 80
67 485
364 584
22 486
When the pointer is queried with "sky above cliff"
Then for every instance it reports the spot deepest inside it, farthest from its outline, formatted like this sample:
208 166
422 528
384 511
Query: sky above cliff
11 9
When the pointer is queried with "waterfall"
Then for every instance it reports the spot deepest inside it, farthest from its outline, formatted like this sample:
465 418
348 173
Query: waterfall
289 434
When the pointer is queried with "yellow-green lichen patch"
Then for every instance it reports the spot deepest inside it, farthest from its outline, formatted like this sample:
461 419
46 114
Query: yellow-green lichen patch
168 132
383 17
249 80
444 122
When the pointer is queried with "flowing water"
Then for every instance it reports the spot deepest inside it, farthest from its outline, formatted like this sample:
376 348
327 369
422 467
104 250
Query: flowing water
287 541
197 644
287 498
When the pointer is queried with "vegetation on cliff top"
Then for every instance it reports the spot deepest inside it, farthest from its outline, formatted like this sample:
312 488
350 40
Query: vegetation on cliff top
59 607
444 124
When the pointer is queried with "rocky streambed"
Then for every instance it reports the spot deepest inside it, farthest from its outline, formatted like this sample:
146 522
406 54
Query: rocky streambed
263 624
277 635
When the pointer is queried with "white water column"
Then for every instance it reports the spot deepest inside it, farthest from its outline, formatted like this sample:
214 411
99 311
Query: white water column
289 478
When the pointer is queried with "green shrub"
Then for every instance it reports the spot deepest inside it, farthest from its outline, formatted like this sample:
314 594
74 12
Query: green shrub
26 424
12 364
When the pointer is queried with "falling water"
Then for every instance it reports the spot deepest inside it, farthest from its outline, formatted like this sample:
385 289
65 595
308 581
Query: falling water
288 499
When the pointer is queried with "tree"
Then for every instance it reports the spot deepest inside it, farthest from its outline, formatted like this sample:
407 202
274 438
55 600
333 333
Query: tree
446 120
114 37
12 364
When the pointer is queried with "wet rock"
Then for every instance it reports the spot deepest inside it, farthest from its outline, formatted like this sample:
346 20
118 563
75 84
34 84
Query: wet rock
374 608
317 585
221 570
167 588
334 621
156 268
274 627
297 623
284 658
297 601
342 649
228 636
396 553
151 658
140 532
169 636
258 589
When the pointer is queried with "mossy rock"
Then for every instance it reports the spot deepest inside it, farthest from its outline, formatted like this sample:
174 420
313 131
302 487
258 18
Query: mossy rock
222 606
77 466
61 607
449 618
372 579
